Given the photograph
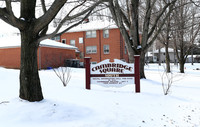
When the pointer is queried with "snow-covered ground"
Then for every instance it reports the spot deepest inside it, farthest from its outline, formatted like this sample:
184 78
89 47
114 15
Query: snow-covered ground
74 106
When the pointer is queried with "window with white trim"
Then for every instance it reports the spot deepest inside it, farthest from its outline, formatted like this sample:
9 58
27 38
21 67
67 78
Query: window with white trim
80 40
91 49
72 42
106 33
106 49
91 34
57 38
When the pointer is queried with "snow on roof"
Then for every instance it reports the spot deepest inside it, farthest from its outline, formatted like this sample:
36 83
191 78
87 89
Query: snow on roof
14 41
52 43
94 25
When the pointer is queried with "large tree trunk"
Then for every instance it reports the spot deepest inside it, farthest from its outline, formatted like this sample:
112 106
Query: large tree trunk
181 62
181 67
30 88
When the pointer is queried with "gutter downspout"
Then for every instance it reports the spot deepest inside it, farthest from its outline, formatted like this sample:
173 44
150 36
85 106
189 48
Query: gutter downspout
100 44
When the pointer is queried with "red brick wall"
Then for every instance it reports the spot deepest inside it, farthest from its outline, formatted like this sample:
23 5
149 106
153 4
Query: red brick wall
10 58
54 57
50 57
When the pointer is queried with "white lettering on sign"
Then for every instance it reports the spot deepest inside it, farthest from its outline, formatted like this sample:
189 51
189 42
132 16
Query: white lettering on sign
116 67
111 67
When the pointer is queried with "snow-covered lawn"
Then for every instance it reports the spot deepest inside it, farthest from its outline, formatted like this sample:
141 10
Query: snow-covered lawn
74 106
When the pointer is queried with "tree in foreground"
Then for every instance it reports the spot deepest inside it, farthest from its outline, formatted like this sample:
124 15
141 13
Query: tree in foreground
132 17
33 29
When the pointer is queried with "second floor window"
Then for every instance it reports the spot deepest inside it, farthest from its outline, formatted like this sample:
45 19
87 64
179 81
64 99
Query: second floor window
91 34
64 41
57 38
80 40
91 49
105 33
72 42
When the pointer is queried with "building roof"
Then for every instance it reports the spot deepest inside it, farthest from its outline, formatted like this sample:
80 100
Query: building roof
15 41
93 25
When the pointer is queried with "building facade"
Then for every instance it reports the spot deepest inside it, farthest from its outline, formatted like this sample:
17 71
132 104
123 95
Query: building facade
50 53
97 42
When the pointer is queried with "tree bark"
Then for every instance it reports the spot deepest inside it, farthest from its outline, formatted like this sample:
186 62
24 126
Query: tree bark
30 87
167 59
142 64
181 63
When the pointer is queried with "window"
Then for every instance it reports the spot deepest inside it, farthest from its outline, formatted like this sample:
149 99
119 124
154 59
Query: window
91 49
80 40
105 33
106 49
64 41
91 34
72 42
57 38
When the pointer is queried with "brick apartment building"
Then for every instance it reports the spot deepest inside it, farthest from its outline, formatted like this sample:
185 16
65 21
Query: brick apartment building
98 40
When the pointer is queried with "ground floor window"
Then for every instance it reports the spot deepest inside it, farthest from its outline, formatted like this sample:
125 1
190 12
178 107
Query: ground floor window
72 42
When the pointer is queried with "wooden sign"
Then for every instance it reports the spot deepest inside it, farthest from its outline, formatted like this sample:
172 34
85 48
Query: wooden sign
113 74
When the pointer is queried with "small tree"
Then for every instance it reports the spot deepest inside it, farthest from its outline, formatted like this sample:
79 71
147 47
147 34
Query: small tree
64 74
167 80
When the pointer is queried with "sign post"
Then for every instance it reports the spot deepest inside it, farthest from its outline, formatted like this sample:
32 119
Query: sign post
113 74
87 72
137 73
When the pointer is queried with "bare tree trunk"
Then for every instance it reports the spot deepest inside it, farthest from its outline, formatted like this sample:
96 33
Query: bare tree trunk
159 60
181 63
30 88
167 59
142 64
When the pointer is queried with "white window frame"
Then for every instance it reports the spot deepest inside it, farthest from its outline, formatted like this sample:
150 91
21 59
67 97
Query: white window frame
106 49
57 38
73 42
91 34
80 40
106 33
91 49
